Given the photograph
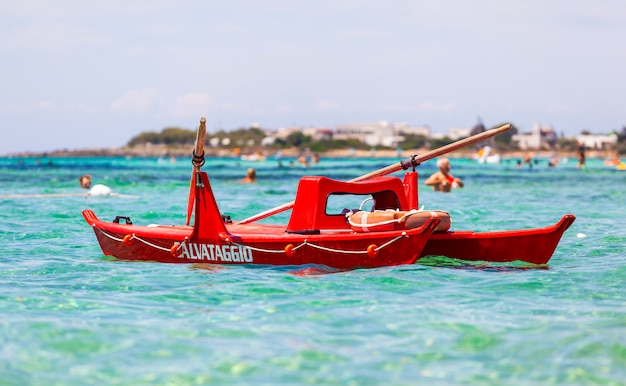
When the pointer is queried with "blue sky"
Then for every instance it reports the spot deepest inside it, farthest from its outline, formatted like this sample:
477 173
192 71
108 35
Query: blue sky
93 74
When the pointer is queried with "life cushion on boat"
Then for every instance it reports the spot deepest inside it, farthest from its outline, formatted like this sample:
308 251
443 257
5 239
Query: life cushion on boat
390 220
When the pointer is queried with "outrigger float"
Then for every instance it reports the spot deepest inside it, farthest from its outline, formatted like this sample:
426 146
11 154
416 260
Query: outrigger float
390 231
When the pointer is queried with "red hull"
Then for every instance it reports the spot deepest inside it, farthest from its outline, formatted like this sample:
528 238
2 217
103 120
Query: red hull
254 244
534 246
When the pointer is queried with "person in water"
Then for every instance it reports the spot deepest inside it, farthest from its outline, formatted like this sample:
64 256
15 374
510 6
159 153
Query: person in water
614 161
96 190
581 155
250 176
554 160
443 181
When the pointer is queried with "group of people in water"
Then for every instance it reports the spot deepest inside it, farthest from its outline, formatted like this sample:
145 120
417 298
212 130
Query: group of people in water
440 181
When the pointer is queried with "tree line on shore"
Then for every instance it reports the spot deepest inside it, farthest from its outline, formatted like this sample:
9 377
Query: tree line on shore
251 138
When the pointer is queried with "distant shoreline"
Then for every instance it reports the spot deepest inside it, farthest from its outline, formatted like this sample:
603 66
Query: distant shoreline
162 151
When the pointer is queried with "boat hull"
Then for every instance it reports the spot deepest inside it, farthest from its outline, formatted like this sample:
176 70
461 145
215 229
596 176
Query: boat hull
534 246
256 244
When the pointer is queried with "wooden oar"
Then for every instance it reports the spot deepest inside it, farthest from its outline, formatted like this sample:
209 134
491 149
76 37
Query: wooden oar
197 161
405 164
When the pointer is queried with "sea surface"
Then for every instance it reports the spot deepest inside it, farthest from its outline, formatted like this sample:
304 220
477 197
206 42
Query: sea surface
71 316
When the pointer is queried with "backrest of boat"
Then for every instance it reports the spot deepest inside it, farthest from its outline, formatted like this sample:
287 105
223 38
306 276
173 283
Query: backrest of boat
208 221
309 214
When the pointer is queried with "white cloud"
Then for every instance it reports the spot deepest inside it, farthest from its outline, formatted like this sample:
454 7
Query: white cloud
197 104
325 105
138 101
79 106
446 107
371 32
27 108
284 109
192 104
51 36
237 108
43 105
428 106
48 106
557 108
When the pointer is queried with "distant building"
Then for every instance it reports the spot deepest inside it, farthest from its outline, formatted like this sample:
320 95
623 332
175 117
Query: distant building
267 141
284 132
318 133
459 132
598 141
454 133
372 134
538 138
406 129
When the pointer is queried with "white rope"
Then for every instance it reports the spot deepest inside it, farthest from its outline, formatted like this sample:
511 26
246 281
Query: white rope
260 249
305 242
109 236
335 250
270 250
407 214
323 248
150 244
365 224
134 237
392 241
302 245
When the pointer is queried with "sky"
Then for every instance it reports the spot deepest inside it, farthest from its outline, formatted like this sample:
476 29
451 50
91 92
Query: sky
93 74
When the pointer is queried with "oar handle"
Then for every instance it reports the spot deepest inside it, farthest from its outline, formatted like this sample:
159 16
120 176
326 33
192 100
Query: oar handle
197 161
198 153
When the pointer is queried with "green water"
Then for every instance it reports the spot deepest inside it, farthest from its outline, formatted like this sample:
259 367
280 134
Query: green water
70 316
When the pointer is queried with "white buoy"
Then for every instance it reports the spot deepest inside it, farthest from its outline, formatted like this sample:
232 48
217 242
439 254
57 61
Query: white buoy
581 235
99 190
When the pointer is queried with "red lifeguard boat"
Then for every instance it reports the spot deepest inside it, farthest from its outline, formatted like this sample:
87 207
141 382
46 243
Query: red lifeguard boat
392 231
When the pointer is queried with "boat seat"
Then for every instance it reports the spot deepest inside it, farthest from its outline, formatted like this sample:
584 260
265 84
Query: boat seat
309 214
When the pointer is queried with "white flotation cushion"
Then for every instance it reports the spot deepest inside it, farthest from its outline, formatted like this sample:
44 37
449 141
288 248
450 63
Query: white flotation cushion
389 220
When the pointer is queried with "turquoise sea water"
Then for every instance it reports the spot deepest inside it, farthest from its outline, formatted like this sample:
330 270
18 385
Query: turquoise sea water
70 316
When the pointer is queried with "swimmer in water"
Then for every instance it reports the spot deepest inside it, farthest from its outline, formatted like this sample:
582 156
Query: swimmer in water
443 181
96 190
250 176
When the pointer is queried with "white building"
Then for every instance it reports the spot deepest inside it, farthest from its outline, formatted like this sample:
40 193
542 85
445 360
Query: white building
406 129
373 134
283 132
459 132
598 141
537 139
318 133
453 134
